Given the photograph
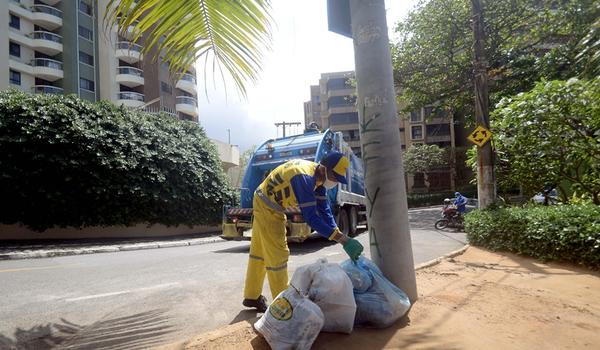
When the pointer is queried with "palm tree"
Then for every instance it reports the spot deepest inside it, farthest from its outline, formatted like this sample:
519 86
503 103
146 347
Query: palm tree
234 34
387 209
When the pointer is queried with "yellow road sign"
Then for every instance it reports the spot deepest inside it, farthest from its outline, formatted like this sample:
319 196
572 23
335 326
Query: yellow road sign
480 136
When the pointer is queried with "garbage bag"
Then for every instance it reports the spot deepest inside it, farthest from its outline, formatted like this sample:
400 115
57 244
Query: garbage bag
381 303
328 286
292 321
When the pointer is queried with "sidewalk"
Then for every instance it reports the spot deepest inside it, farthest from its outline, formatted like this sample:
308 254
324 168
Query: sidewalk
478 300
44 249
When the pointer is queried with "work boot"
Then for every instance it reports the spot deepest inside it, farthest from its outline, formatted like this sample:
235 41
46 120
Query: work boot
259 304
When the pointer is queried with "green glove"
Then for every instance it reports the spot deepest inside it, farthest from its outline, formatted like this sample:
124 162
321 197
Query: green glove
353 248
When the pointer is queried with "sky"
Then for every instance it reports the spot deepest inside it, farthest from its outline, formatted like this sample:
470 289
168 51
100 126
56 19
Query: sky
303 48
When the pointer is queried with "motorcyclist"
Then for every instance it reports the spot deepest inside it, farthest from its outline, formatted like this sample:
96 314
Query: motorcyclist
460 202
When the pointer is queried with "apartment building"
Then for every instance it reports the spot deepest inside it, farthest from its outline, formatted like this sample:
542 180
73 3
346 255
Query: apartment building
62 46
332 105
49 46
137 81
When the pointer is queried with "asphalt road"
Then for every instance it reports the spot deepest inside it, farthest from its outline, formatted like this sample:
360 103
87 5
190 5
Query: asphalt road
144 298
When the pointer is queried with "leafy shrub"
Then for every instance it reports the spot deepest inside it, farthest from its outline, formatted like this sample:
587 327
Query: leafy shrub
563 232
67 162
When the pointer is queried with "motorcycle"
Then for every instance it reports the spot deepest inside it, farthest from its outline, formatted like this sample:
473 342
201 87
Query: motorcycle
451 218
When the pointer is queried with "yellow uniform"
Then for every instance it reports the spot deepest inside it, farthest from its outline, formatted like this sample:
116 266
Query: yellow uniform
291 185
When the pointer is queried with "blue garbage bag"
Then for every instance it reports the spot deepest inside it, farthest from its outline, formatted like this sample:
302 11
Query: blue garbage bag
379 303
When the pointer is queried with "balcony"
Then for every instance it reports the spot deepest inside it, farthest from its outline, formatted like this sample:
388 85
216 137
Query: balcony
47 69
47 16
187 83
187 105
341 92
46 42
130 99
438 138
129 52
46 89
130 76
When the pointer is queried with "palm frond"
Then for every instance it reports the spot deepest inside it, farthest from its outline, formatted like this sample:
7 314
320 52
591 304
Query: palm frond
235 33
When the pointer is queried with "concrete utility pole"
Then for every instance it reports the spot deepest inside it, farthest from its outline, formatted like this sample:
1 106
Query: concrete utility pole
286 123
486 183
387 209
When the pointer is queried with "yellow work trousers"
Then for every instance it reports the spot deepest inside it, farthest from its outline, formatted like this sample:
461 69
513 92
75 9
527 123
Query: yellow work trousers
268 251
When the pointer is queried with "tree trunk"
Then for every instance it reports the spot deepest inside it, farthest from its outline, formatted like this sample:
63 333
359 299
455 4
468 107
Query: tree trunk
387 210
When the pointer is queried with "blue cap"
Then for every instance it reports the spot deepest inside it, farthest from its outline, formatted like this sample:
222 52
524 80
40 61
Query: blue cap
338 163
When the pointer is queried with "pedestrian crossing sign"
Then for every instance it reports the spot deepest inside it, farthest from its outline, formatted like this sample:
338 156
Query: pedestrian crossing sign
480 136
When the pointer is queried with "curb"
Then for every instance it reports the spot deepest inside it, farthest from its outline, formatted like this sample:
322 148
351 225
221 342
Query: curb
106 249
443 257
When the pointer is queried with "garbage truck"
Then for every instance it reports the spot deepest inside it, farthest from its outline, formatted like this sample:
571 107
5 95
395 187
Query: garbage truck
347 201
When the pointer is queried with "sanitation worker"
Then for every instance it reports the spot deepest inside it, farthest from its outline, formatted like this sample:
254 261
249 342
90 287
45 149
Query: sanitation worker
301 184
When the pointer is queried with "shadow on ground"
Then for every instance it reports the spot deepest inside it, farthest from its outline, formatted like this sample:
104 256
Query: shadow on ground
138 331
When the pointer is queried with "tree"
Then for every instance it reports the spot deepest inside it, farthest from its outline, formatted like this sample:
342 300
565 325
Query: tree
552 134
235 33
244 160
423 158
527 40
387 209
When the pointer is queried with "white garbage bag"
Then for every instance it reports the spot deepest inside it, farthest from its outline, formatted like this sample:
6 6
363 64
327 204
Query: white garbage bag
330 288
292 321
381 303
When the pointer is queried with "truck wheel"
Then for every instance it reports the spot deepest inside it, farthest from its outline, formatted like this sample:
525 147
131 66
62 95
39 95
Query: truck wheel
342 221
353 219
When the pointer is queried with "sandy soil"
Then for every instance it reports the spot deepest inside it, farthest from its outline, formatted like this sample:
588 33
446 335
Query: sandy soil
478 300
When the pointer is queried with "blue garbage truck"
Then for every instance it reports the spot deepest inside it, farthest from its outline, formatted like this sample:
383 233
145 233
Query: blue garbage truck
347 201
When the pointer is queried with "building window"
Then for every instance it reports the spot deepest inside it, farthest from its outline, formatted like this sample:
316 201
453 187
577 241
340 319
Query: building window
164 87
15 49
86 84
416 132
415 116
438 130
85 58
343 118
15 77
428 111
15 22
419 180
341 101
86 33
85 8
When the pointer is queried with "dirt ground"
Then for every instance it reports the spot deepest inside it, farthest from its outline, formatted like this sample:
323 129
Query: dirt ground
478 300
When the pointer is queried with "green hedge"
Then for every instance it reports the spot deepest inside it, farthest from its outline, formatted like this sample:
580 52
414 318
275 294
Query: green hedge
563 232
68 162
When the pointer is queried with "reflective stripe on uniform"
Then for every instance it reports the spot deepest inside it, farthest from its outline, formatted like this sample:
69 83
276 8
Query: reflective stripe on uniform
256 257
321 197
278 268
308 204
269 203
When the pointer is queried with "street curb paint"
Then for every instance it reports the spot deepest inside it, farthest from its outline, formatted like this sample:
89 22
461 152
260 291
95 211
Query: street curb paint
104 249
443 257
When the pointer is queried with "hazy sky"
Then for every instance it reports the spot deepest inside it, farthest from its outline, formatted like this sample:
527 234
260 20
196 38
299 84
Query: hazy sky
303 48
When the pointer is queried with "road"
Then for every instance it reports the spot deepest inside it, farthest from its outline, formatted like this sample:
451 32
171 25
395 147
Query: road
144 298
